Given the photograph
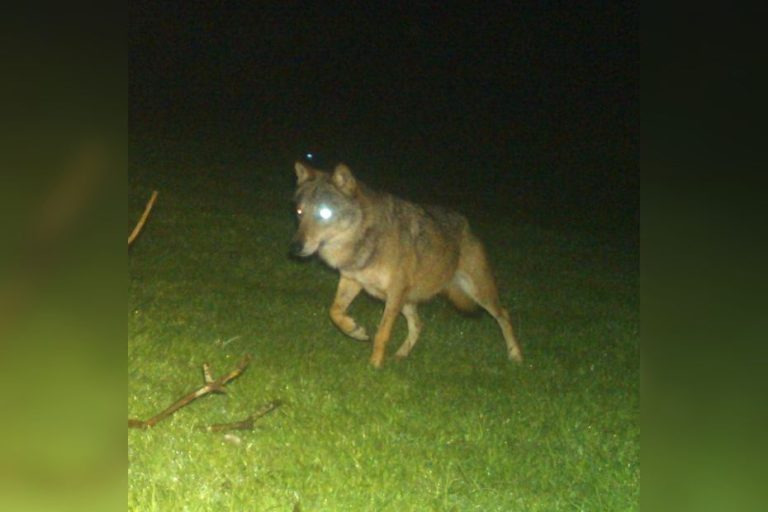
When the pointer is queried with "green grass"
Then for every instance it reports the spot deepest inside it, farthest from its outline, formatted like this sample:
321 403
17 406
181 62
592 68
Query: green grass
453 427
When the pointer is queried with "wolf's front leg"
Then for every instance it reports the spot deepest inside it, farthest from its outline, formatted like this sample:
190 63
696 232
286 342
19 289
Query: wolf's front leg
346 292
391 310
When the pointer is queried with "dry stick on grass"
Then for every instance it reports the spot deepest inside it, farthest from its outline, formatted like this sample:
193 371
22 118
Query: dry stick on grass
143 219
211 386
246 424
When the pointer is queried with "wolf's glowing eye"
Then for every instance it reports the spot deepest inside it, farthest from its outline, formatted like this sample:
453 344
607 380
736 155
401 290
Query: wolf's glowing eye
324 212
310 156
299 211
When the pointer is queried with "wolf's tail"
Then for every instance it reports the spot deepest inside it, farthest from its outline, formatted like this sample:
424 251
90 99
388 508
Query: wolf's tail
460 299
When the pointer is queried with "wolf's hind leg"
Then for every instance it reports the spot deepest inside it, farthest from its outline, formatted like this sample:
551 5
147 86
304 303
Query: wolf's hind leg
414 329
346 292
513 348
474 277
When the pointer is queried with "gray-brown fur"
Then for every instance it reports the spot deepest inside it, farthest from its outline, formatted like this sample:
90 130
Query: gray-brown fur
398 251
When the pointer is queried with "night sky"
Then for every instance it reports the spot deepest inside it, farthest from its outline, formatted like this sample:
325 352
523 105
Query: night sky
533 103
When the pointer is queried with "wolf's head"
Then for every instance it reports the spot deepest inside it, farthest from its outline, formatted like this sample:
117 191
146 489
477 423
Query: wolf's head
327 209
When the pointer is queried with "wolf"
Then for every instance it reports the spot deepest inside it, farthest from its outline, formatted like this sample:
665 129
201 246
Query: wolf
397 251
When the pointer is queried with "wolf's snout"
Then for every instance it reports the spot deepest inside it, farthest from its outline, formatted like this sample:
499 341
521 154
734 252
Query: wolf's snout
297 248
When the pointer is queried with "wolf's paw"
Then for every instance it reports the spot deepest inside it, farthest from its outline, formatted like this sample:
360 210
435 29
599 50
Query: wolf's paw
376 361
402 352
516 356
358 333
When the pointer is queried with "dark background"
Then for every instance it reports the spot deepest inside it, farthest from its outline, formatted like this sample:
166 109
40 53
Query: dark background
529 108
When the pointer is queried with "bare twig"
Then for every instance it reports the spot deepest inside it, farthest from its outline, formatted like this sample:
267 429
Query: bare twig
207 373
247 423
143 219
211 386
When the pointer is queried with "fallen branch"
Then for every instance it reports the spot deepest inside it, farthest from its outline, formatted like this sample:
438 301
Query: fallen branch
143 219
246 424
211 386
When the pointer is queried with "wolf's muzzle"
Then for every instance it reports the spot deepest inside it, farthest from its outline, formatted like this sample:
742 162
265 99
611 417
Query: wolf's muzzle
297 248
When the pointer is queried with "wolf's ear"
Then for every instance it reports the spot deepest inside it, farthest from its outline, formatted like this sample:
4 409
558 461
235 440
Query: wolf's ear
303 173
344 180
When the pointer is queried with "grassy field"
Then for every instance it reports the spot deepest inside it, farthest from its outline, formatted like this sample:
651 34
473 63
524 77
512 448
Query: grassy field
453 427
